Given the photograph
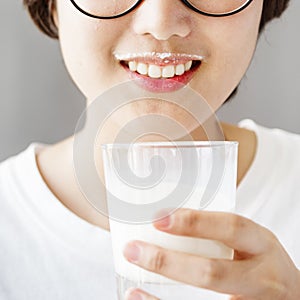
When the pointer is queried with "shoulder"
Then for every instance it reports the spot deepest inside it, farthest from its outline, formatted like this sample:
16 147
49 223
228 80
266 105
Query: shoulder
277 150
9 177
7 168
8 165
277 138
15 172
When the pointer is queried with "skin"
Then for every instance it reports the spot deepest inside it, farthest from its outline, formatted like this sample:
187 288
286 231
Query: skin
228 44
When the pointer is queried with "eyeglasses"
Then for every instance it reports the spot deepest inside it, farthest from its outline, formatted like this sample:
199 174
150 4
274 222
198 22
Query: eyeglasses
110 9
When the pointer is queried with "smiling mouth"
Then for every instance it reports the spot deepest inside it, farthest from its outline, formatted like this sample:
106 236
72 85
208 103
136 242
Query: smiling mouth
161 71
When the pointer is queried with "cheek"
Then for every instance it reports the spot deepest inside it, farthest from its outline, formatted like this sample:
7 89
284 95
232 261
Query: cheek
87 45
232 43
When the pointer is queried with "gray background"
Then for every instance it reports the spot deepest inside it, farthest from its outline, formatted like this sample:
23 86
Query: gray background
40 103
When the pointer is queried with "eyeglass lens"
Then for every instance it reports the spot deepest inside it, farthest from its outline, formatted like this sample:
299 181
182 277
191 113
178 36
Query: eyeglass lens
111 8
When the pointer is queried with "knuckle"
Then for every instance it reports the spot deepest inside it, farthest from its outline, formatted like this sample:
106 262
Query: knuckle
272 239
191 220
211 274
158 261
235 225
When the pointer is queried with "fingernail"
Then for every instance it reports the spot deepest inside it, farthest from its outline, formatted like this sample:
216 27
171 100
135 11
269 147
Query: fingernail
132 252
164 223
165 219
135 296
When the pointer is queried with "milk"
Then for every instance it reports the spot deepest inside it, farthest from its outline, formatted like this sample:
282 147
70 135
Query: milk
141 180
122 233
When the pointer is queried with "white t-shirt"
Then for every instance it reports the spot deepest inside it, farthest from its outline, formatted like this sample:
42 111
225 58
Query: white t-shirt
47 252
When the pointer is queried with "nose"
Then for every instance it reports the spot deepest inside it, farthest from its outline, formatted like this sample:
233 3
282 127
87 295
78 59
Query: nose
162 19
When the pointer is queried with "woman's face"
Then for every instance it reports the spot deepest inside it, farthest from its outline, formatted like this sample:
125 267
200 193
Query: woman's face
91 47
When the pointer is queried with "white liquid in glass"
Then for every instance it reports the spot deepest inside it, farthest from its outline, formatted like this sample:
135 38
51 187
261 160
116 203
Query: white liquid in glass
122 233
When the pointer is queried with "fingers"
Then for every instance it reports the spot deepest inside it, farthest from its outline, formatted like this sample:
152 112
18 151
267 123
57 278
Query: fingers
235 231
138 294
241 298
214 274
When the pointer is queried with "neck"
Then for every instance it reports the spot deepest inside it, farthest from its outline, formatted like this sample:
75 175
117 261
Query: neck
55 164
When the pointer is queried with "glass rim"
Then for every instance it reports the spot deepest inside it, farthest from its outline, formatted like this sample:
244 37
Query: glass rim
175 144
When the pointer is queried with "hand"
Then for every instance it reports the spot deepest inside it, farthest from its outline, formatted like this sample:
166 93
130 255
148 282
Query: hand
261 268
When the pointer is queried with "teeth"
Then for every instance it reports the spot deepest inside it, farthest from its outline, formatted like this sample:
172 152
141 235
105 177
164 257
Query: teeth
179 70
168 71
188 65
142 68
132 65
155 71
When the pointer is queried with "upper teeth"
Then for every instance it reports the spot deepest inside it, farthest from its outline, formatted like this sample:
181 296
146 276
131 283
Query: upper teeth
155 71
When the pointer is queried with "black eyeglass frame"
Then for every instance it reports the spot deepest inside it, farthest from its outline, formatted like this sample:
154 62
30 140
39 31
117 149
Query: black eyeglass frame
186 2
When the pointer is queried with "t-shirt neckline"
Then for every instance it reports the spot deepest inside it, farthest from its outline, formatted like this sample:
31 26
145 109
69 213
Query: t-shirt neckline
35 185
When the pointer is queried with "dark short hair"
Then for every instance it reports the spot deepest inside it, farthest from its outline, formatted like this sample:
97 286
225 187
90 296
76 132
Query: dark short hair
40 12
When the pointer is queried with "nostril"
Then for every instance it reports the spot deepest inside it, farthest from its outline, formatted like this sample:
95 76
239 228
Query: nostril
162 21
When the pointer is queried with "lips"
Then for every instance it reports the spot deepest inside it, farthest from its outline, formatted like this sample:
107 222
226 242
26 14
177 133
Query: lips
160 71
164 82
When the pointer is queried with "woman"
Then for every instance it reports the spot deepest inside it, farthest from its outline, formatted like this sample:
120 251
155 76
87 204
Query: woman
54 245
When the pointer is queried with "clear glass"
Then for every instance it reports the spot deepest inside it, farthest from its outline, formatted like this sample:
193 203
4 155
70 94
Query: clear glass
143 176
115 8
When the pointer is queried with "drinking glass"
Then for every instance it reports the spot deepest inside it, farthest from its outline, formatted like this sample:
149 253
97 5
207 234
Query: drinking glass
146 181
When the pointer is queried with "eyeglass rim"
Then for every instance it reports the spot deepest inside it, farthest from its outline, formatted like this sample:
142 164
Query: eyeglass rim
186 2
